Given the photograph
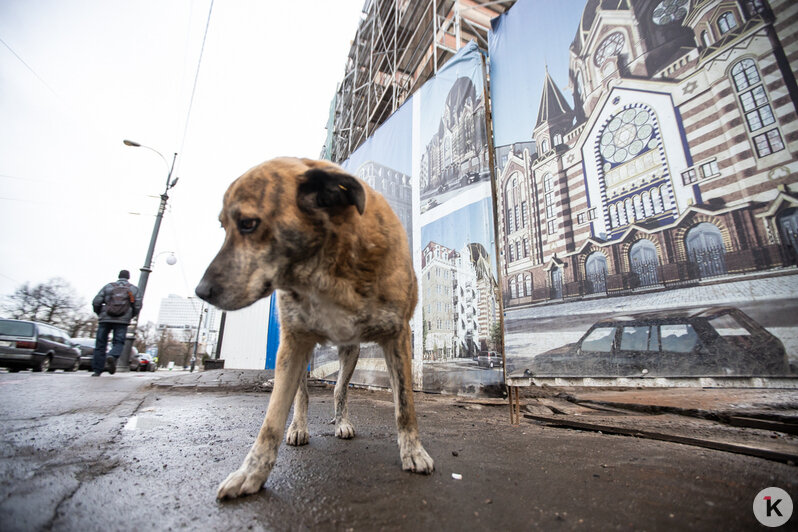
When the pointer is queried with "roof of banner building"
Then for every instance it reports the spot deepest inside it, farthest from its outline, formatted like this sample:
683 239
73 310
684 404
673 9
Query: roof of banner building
552 102
589 15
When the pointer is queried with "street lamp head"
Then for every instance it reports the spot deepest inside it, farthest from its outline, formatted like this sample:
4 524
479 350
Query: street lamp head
171 260
127 142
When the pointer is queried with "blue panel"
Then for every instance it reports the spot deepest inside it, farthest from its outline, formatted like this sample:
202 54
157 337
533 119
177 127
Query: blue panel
273 338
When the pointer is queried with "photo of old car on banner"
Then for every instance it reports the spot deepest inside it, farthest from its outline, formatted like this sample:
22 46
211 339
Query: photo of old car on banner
646 175
431 161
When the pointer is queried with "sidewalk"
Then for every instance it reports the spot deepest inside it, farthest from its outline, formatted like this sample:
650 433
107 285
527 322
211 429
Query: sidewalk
715 403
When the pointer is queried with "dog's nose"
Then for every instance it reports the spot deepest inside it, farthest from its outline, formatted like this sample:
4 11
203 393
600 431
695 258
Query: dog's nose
204 290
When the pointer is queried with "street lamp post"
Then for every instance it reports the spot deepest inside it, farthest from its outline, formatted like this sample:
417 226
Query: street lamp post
203 310
124 362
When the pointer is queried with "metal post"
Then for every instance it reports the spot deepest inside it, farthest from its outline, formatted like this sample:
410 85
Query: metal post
196 340
130 336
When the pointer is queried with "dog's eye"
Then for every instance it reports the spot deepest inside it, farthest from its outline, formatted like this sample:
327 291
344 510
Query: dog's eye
247 225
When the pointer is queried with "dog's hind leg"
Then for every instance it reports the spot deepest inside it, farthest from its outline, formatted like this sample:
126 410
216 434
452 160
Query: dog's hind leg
347 358
398 357
298 430
293 356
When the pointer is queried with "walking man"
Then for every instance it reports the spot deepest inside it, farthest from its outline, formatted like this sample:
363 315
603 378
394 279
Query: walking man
116 304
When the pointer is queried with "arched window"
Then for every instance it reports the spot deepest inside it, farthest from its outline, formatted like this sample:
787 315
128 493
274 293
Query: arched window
705 39
648 207
521 287
643 261
556 283
512 201
614 220
513 288
622 219
706 250
787 222
656 200
638 203
755 104
727 22
630 210
548 187
580 86
544 146
528 283
596 272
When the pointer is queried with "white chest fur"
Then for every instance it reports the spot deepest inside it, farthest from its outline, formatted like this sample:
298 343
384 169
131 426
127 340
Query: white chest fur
325 319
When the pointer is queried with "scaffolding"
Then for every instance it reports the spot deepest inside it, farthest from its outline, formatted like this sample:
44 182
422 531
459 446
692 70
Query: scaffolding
398 46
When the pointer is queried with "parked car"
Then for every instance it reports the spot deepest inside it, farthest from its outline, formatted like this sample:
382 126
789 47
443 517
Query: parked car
38 346
86 346
142 362
717 341
489 359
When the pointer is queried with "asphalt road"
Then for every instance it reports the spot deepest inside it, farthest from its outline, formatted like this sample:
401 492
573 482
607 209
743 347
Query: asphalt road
86 454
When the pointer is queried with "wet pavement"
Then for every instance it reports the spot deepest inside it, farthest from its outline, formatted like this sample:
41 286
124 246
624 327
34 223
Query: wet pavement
134 451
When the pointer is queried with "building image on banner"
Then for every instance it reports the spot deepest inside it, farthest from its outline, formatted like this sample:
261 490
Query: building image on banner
661 192
455 154
460 336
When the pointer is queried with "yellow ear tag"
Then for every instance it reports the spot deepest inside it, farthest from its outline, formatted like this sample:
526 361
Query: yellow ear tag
342 187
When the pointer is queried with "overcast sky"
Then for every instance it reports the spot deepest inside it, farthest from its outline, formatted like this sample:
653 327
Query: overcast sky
79 76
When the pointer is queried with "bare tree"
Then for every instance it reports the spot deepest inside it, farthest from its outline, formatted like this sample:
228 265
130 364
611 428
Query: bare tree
54 302
146 336
169 349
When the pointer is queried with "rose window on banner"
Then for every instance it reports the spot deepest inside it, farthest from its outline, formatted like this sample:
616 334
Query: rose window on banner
669 11
626 136
612 45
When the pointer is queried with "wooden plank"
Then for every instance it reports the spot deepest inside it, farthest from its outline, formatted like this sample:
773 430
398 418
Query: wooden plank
765 424
759 452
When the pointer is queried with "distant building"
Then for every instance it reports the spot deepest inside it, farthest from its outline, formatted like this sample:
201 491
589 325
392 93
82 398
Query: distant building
179 317
395 187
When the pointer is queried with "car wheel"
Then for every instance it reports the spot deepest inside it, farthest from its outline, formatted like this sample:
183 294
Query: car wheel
75 366
44 365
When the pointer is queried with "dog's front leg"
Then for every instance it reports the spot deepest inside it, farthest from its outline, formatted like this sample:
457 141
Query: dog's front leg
292 360
398 355
298 430
347 358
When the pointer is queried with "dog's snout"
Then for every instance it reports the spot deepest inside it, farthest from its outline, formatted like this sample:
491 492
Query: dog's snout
204 290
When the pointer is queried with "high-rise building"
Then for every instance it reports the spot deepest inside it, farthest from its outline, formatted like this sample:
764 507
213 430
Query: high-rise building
179 316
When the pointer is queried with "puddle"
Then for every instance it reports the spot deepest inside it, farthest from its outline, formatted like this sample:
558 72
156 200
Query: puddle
143 423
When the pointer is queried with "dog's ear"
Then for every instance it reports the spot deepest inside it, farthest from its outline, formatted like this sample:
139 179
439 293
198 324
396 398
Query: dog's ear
330 189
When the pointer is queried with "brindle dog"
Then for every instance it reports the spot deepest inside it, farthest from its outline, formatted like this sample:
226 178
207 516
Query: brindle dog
337 258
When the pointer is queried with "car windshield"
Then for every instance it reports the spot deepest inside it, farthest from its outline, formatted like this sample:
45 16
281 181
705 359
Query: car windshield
726 325
16 328
599 340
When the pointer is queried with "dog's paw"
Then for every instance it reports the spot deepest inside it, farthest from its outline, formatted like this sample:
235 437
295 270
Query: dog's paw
240 483
418 461
344 430
296 436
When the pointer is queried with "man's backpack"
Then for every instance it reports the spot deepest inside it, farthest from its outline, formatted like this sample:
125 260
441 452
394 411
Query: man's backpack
120 300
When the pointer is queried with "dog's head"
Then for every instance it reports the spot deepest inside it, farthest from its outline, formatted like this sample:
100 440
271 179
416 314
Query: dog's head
276 218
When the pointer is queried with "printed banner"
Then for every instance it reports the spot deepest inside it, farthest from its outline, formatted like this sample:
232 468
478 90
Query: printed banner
646 173
430 160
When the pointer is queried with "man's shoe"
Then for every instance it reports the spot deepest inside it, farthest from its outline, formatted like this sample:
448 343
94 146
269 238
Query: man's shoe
111 363
96 374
